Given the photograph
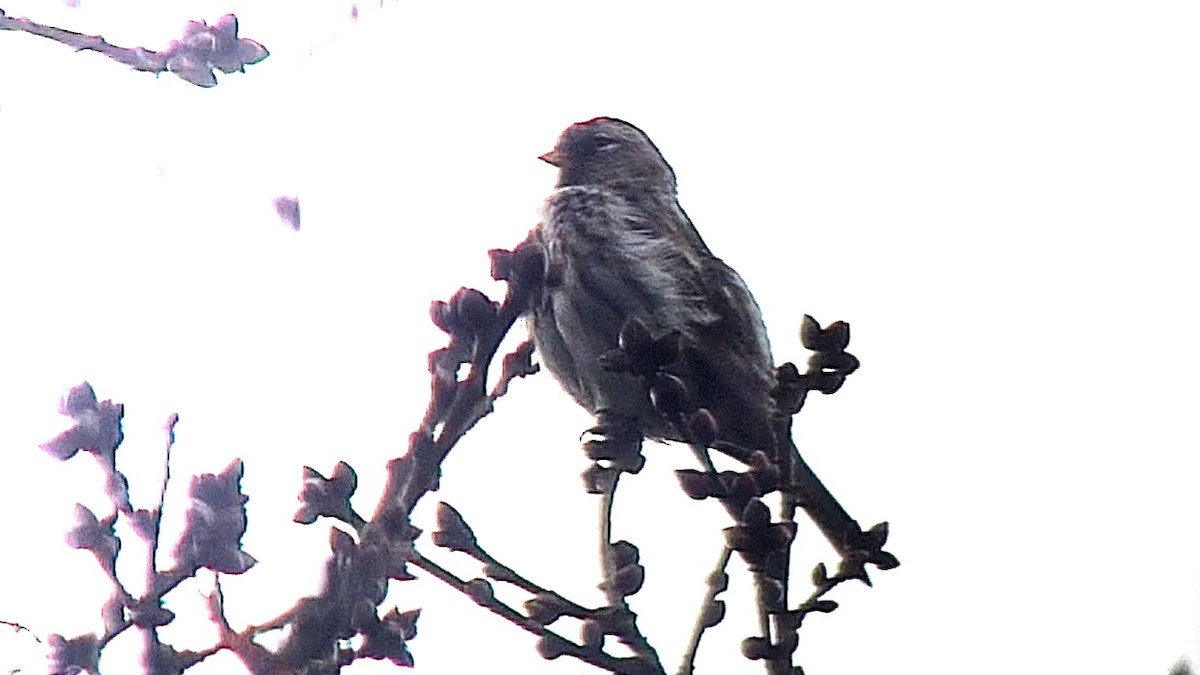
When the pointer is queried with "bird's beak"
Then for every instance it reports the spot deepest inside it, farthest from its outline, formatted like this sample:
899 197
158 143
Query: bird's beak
550 158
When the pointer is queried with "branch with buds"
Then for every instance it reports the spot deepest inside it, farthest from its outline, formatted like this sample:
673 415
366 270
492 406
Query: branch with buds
194 57
343 621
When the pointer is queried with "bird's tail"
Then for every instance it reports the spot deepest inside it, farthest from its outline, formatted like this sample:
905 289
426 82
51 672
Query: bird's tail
805 490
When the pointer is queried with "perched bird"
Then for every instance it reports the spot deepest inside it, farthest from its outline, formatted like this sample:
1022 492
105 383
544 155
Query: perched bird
621 247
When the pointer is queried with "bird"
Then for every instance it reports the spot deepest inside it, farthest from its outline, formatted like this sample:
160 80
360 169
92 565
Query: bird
619 247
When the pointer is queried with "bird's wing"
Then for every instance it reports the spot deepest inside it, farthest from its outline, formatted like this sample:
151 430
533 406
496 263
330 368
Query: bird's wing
742 317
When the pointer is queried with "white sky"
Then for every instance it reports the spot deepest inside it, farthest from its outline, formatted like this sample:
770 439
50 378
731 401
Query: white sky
999 198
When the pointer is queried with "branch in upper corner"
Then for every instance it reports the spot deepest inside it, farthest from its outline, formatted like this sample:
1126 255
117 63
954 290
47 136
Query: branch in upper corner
202 49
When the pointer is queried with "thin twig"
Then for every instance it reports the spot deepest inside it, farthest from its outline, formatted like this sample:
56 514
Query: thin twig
689 655
593 657
459 584
510 576
607 498
193 58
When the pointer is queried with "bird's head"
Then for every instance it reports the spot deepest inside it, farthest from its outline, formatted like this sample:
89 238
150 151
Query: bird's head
605 150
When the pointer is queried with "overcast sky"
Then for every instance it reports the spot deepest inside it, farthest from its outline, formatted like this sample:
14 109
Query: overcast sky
1001 198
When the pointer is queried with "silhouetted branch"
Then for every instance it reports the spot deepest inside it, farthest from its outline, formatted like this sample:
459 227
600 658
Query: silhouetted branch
342 621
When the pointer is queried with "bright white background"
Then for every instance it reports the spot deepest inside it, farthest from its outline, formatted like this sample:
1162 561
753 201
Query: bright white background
1000 198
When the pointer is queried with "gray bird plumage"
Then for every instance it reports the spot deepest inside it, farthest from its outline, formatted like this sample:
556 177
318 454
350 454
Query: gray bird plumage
621 247
617 246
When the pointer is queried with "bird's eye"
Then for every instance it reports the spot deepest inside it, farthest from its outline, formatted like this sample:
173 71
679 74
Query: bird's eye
604 143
